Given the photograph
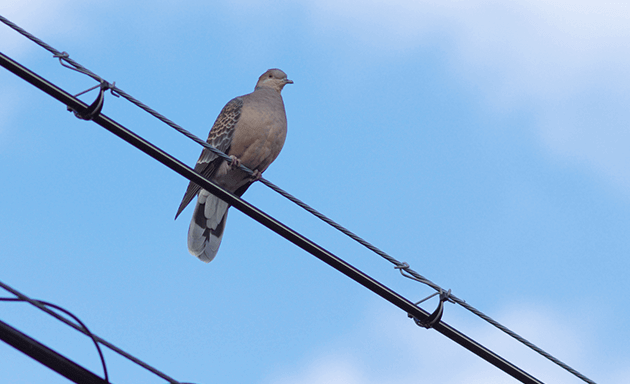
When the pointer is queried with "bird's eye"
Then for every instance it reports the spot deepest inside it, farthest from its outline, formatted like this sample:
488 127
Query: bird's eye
270 76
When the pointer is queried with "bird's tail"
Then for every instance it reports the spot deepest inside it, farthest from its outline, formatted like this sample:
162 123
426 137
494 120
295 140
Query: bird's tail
207 225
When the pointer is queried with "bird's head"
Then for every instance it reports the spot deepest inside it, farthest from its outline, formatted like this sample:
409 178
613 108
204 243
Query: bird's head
273 78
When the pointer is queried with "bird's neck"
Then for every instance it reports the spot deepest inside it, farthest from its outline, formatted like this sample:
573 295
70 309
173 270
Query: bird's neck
264 88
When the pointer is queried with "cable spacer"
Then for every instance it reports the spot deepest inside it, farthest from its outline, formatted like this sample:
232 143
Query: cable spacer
436 316
95 108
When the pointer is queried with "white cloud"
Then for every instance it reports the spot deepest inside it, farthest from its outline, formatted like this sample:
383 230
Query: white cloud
537 39
386 348
557 59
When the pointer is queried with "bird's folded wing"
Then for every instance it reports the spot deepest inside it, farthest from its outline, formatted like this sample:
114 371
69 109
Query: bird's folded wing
220 137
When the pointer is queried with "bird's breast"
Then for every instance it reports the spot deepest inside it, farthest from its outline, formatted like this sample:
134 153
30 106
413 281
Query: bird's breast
260 135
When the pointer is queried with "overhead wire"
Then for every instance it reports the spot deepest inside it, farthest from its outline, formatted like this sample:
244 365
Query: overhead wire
417 313
81 328
48 356
403 267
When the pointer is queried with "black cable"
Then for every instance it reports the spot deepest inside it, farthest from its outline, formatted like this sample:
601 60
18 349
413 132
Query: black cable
85 328
78 328
53 360
268 221
63 56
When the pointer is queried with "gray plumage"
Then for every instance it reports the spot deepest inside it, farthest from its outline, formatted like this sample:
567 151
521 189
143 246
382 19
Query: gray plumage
251 128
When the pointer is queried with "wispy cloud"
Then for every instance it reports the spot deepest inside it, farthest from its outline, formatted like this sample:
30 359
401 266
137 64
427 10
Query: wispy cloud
565 62
386 348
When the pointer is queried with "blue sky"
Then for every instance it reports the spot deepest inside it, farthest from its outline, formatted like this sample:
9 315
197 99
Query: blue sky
484 143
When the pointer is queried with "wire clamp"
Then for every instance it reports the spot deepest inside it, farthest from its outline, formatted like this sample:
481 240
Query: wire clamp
436 316
95 108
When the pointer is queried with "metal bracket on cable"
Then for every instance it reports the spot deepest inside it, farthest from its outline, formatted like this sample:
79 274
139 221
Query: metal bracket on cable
95 108
436 316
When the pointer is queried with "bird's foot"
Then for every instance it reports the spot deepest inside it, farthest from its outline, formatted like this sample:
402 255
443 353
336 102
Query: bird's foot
235 162
256 175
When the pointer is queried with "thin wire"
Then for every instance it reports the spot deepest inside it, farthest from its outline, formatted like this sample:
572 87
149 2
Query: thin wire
402 266
268 221
87 331
109 345
64 56
282 192
61 55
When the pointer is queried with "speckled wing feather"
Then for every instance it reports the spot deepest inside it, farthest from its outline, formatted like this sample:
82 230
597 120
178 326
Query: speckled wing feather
220 137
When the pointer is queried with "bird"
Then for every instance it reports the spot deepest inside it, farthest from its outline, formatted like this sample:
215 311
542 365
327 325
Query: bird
251 129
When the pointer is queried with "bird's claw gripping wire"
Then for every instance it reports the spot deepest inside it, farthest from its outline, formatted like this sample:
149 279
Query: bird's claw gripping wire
256 175
235 162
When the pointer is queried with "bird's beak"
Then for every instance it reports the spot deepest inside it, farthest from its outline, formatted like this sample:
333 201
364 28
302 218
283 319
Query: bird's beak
287 81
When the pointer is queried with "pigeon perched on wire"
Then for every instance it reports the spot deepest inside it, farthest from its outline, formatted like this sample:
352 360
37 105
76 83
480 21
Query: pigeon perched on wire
251 129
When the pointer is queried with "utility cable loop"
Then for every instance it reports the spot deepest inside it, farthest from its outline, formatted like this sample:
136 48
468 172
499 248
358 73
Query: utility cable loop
61 56
409 273
65 57
84 328
402 266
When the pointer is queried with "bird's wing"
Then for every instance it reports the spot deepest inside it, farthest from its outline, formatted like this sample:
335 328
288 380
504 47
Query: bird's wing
220 137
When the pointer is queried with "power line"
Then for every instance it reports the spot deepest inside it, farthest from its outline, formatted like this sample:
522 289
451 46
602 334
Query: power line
269 222
85 328
404 268
85 331
53 360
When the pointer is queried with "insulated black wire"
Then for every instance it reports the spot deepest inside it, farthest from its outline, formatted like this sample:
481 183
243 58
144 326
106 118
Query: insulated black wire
47 356
85 328
417 313
106 343
402 266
